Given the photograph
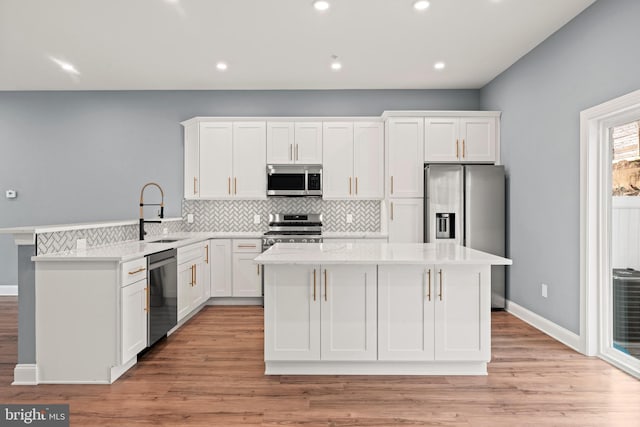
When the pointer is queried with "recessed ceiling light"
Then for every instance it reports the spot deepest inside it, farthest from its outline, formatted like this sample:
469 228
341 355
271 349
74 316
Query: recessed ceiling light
222 66
421 5
439 65
336 66
321 5
69 68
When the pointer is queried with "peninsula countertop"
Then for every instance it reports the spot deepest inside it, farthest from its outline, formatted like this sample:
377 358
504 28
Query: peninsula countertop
377 253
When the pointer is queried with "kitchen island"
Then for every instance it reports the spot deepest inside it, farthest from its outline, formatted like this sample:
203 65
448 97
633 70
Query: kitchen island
385 309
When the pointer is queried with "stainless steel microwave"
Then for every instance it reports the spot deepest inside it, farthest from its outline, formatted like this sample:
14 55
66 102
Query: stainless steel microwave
294 180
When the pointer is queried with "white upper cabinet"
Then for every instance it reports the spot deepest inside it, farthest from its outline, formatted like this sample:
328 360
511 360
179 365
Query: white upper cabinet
337 169
216 155
294 143
460 139
308 147
405 157
249 160
225 160
353 160
368 159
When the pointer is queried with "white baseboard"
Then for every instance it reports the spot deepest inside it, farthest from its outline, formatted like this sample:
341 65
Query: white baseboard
25 374
565 336
235 301
8 290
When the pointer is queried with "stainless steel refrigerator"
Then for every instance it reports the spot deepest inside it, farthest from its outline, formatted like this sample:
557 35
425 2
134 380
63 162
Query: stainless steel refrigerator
465 205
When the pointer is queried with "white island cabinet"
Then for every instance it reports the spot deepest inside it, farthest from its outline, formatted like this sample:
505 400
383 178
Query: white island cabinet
377 308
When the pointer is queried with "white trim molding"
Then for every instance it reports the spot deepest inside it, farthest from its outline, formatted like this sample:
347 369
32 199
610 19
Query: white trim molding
25 374
555 331
595 212
8 290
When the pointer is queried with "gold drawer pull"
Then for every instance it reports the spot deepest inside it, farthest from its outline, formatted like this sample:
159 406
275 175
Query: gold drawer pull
229 185
207 258
140 270
194 185
356 185
391 184
235 185
440 285
258 269
463 148
349 185
457 150
247 246
146 298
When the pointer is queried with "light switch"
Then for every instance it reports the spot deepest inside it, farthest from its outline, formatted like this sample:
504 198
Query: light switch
190 218
256 219
349 218
11 194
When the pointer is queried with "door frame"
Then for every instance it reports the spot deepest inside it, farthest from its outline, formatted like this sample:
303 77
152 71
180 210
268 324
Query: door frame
595 222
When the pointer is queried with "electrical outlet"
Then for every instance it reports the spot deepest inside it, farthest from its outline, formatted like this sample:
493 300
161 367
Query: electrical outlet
256 219
349 218
190 218
81 244
165 230
544 289
11 194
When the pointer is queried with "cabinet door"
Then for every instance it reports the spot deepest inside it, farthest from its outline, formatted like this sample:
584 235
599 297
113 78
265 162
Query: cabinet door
249 160
134 319
337 169
405 148
405 312
191 162
247 276
199 283
292 312
478 136
185 282
441 142
220 261
368 160
216 153
308 143
406 220
348 312
462 313
280 140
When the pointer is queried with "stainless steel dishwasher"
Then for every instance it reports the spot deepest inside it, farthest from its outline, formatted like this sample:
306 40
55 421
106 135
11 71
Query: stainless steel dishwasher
163 294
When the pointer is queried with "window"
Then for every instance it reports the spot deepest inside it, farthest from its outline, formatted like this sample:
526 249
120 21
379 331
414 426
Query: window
626 159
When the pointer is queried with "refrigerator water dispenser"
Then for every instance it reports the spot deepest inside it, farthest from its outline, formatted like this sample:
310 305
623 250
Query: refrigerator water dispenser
445 225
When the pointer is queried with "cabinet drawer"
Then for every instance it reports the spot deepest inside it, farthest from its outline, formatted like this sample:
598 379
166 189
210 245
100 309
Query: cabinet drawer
247 245
191 252
132 271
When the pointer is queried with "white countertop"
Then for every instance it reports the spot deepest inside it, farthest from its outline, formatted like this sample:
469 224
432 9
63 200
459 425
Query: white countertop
354 235
376 253
38 229
133 249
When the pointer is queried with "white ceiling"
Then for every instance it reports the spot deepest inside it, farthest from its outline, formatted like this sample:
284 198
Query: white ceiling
268 44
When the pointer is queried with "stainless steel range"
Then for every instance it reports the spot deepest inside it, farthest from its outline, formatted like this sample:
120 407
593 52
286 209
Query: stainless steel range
293 228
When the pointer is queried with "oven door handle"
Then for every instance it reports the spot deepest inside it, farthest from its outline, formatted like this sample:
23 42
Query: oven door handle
161 263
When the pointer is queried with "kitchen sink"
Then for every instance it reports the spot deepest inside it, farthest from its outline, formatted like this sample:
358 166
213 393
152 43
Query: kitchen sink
164 241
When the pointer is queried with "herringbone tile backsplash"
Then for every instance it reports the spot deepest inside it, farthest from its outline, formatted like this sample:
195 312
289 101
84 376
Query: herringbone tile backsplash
237 215
225 215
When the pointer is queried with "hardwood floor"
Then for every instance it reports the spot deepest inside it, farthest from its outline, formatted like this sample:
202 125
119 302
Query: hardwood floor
210 373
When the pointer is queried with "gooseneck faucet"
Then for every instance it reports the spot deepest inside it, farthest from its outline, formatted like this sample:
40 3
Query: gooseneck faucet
142 204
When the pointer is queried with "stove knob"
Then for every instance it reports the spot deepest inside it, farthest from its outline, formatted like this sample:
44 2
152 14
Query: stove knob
305 240
312 240
278 240
292 241
271 242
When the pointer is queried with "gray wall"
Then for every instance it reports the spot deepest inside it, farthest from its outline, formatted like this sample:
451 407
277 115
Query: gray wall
83 156
592 59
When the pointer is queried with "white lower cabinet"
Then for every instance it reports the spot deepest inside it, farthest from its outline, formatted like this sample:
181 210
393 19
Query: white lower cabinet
320 313
134 319
193 277
247 275
220 261
437 313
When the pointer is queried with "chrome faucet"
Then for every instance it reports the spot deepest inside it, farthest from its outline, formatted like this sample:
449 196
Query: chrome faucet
142 204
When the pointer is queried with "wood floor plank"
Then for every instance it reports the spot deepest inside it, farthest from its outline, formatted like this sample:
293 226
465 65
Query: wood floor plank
211 373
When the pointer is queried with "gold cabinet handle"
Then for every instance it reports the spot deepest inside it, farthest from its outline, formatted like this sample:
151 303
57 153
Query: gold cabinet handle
429 285
314 284
140 270
457 150
195 180
195 274
258 265
146 298
191 282
391 184
297 152
391 211
207 256
356 185
440 286
247 246
229 185
325 284
291 152
463 149
349 185
235 185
